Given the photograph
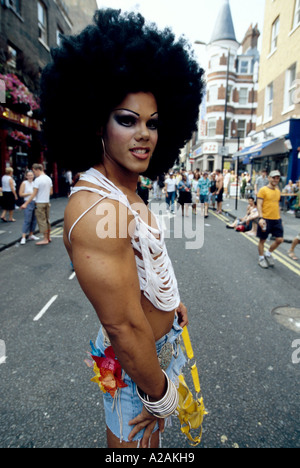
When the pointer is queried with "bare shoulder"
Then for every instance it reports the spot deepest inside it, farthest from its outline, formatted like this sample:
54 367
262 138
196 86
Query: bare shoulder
101 223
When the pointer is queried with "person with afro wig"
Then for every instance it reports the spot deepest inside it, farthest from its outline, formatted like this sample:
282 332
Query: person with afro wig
119 100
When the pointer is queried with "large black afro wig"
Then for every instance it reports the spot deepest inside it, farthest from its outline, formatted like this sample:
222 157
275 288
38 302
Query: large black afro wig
91 73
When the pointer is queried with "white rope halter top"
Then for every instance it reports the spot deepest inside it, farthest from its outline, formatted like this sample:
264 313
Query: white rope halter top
155 271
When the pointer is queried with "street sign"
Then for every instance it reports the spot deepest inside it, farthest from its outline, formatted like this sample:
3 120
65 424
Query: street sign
224 151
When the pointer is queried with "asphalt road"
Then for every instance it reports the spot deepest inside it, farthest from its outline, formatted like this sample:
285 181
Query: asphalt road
249 381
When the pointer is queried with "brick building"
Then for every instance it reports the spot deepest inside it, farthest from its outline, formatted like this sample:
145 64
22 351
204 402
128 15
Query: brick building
229 113
81 13
28 29
276 142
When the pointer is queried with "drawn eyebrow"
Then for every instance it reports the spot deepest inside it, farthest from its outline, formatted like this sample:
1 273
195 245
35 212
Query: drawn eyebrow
128 110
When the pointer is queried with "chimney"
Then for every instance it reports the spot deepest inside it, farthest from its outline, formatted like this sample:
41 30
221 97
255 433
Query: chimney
251 38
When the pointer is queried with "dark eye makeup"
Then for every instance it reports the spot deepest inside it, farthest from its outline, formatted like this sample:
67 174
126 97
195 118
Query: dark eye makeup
131 120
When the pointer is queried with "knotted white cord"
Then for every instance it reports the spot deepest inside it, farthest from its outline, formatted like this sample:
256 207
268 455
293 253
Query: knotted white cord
155 270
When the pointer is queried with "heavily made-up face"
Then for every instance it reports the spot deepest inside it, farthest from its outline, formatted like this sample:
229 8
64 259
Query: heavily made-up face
131 134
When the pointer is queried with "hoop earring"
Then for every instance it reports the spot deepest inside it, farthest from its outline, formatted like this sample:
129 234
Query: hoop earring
103 147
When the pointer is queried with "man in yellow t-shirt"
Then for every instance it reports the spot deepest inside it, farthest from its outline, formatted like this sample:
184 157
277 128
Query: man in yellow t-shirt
270 222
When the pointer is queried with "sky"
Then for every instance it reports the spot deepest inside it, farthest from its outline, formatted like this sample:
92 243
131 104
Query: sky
194 18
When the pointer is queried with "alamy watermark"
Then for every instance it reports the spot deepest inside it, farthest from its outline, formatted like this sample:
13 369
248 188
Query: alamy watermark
117 222
2 92
296 354
2 352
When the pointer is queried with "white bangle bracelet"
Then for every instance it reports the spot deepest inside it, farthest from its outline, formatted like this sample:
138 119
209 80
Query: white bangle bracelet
164 407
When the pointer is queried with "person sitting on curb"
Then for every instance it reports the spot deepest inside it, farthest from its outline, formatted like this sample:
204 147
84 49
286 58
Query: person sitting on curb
247 220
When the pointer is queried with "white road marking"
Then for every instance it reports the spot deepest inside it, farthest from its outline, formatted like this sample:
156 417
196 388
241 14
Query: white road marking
72 275
44 309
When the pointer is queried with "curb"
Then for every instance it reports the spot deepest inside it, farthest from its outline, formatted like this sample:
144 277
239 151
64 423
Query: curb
227 213
6 246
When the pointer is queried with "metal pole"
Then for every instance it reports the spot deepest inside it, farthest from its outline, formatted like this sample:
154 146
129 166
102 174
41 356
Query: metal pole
237 177
225 109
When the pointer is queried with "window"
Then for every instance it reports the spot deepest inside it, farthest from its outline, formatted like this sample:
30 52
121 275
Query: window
290 85
275 33
211 127
243 96
269 102
213 93
229 92
42 22
241 128
244 67
215 61
15 5
296 14
227 128
12 57
59 33
232 62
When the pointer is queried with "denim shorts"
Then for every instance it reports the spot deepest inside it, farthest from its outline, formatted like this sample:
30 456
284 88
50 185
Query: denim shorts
203 198
126 405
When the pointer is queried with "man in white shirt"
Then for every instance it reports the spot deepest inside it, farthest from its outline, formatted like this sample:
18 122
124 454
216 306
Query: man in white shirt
42 189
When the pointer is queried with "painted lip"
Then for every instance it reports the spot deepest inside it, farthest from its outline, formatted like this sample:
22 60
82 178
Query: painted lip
141 153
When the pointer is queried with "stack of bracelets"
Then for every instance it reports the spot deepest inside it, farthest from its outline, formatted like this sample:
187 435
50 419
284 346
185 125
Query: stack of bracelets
164 407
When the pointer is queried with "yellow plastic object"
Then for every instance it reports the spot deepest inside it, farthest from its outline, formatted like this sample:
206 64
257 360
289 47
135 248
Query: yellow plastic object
195 376
187 343
190 412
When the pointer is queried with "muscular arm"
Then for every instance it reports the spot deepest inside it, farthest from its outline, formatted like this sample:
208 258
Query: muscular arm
106 271
260 202
259 207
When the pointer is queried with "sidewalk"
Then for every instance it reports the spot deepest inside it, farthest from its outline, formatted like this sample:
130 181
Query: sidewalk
291 224
11 233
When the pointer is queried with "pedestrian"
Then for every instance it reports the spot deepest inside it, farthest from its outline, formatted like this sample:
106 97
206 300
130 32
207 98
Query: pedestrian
144 185
29 224
268 199
203 193
243 185
42 190
261 181
136 80
185 195
195 197
9 195
170 189
227 177
160 186
220 190
213 191
291 252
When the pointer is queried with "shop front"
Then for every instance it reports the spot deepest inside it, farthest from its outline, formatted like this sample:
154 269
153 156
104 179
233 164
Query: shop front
280 151
20 142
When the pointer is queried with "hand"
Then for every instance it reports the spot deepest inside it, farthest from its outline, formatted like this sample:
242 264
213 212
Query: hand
182 315
261 222
24 206
145 421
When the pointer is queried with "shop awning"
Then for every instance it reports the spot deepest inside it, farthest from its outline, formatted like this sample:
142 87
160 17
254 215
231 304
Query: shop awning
266 148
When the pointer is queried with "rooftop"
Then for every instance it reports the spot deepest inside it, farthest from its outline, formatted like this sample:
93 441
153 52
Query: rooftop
224 28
